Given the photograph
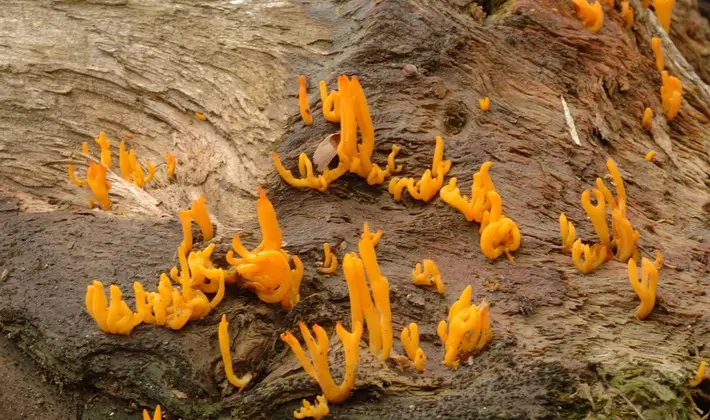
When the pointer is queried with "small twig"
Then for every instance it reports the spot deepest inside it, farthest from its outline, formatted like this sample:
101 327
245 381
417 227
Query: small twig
570 122
632 406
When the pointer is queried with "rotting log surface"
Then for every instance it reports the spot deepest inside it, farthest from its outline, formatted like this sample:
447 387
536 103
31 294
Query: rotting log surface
565 345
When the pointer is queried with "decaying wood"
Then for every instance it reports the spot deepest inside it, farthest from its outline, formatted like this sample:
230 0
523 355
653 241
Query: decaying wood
565 345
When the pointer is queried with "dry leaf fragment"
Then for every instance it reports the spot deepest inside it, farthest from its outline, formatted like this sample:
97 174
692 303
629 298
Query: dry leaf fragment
326 151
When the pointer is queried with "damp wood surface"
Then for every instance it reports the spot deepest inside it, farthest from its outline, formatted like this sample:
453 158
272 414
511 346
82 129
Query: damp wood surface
565 345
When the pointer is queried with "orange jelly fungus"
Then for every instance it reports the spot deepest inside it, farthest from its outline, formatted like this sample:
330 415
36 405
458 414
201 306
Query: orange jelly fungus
478 204
353 157
591 15
650 155
627 13
699 375
157 414
374 237
330 103
645 287
647 119
170 162
198 213
594 256
484 103
625 236
72 175
303 101
200 116
646 4
658 52
597 214
224 345
112 316
502 236
568 232
378 315
671 95
664 11
266 270
468 329
105 149
131 170
428 275
318 367
330 262
85 148
410 342
317 411
431 181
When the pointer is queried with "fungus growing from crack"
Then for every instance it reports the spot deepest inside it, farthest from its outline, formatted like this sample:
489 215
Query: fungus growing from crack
594 256
224 345
197 213
484 103
431 181
645 287
568 232
427 274
650 155
647 119
658 52
597 214
330 261
410 342
473 208
502 236
105 145
627 13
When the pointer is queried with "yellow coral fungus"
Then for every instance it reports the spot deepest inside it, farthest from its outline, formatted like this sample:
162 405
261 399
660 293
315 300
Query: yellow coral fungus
650 155
646 4
658 52
198 213
330 262
664 11
428 275
170 162
116 318
330 103
157 415
319 369
303 101
647 119
484 103
72 175
224 345
627 13
200 116
391 166
502 236
374 237
105 149
85 148
597 214
671 95
96 179
496 211
431 181
473 208
594 256
645 287
410 342
569 234
468 329
699 375
317 411
625 236
591 15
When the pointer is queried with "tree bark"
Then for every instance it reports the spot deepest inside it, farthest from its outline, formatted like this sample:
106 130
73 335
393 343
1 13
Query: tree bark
565 345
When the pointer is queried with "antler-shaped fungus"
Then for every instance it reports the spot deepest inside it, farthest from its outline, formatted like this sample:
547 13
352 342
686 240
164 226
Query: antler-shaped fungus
569 234
671 94
597 214
105 149
410 342
591 15
374 237
198 213
431 181
473 208
317 411
303 101
224 344
330 103
428 275
468 329
502 236
330 261
699 375
645 287
96 179
116 318
318 349
594 257
157 414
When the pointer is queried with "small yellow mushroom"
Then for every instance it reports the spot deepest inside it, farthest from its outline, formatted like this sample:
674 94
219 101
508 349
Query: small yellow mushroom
105 149
317 411
484 103
500 237
428 275
627 13
410 342
569 234
96 179
303 101
224 345
468 329
319 368
594 256
645 287
664 10
200 116
116 318
157 414
591 15
671 95
699 375
658 52
85 148
170 162
597 214
198 213
330 262
650 155
647 119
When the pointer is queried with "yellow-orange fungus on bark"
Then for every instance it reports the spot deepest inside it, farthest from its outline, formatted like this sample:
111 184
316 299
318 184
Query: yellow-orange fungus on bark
85 148
671 95
200 116
72 176
374 237
317 411
124 161
318 367
647 119
664 11
330 261
502 236
428 275
151 172
699 375
224 345
431 181
105 149
330 103
597 214
170 162
658 52
391 166
625 236
303 101
116 318
157 414
569 234
591 15
484 103
467 331
650 155
645 287
646 4
594 256
627 13
96 179
410 342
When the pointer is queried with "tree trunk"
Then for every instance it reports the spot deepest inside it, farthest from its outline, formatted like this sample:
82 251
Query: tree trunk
565 345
